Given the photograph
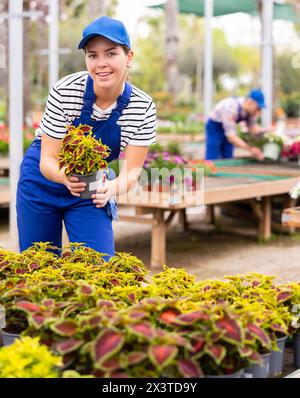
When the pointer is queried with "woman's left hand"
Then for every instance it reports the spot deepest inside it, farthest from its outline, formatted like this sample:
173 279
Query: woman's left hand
103 194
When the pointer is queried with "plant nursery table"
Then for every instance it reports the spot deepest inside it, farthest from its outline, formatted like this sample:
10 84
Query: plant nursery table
234 181
4 165
4 192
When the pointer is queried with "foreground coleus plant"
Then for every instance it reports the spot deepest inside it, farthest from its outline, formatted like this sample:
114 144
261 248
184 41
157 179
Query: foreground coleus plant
81 153
150 339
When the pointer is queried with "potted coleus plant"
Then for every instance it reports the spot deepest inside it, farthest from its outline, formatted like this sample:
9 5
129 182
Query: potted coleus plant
27 358
83 156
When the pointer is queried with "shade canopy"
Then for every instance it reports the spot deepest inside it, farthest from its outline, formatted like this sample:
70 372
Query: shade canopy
223 7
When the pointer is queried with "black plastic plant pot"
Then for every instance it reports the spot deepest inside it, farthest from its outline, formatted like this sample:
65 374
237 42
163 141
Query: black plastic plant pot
276 360
93 182
296 349
8 338
260 371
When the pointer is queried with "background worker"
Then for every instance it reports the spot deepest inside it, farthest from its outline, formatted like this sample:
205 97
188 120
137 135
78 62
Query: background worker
221 127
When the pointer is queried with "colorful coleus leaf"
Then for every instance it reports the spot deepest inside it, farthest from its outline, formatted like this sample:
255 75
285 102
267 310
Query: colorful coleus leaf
135 314
169 315
232 330
259 333
37 320
198 344
278 328
94 321
65 328
110 365
85 128
61 163
143 329
162 355
69 168
245 351
27 306
189 368
107 344
71 308
21 271
86 290
136 357
67 346
216 351
48 302
193 317
105 304
283 296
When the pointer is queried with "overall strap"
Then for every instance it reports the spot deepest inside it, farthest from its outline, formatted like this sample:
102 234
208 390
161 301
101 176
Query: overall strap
89 98
122 102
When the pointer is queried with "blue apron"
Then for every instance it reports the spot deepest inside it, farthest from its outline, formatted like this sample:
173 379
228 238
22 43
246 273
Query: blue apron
43 205
217 144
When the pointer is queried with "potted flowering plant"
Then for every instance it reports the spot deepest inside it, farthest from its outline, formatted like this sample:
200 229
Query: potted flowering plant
272 146
292 152
83 156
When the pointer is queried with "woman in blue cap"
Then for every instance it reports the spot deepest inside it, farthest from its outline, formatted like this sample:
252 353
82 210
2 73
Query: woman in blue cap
221 127
123 116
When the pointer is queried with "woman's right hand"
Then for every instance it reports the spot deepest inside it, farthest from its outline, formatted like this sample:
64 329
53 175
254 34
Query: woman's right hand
74 186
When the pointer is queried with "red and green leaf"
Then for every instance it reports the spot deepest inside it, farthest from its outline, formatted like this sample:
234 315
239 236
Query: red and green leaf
65 328
169 315
136 357
67 346
143 329
86 290
233 332
259 333
37 320
27 306
110 365
108 343
283 296
193 317
162 355
216 351
189 368
137 314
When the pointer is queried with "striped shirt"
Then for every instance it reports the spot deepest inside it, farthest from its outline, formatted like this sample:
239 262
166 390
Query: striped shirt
226 112
65 101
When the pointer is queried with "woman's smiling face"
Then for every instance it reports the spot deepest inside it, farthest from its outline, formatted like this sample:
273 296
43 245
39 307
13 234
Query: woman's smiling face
107 63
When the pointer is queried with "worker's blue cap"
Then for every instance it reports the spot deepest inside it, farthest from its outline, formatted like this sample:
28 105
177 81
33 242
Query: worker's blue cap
258 97
112 29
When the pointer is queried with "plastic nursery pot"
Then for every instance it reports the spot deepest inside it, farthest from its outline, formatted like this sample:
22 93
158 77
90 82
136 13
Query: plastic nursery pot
235 375
272 151
8 338
276 360
296 349
260 371
93 182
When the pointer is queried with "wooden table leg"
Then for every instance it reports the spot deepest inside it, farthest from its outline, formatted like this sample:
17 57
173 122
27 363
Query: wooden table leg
289 202
266 221
183 219
210 214
158 244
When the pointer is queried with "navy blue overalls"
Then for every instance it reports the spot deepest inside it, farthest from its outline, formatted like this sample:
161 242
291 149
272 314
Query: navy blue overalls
42 205
217 144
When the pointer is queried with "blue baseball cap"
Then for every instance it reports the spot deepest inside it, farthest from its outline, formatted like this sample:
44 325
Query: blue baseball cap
258 97
112 29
